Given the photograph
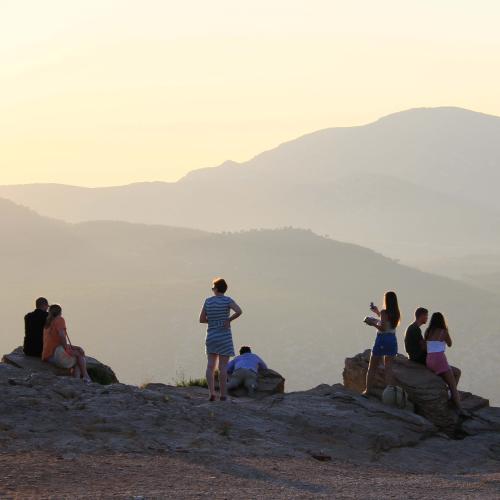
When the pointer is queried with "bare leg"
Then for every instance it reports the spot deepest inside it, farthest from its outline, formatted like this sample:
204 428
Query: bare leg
456 373
211 364
223 361
449 378
370 374
82 365
388 373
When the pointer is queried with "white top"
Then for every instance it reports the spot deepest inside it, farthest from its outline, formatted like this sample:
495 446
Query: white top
436 346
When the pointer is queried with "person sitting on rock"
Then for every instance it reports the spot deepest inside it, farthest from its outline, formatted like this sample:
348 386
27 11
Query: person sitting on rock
386 344
415 345
414 341
437 337
34 323
244 369
56 346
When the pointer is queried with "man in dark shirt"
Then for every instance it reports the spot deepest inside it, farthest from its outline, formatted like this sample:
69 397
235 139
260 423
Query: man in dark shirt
33 328
414 341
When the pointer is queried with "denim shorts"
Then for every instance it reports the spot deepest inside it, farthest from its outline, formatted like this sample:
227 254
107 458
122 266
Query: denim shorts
386 344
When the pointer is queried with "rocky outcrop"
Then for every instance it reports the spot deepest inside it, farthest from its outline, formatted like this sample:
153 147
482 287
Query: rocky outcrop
39 410
269 382
42 411
99 372
428 392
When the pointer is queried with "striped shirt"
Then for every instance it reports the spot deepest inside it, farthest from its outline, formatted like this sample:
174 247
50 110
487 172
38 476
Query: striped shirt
219 339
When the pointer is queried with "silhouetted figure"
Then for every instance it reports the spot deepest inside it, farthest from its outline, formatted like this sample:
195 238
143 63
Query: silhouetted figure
34 323
414 341
219 340
386 343
415 345
244 369
437 338
57 348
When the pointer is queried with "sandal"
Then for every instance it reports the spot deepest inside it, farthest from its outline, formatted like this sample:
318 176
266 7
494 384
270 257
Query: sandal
223 398
212 398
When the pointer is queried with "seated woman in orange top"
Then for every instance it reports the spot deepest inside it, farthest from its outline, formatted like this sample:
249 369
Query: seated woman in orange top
56 346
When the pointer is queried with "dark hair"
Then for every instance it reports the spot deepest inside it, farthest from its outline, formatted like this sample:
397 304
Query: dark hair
41 302
220 285
421 311
437 322
55 310
392 309
244 349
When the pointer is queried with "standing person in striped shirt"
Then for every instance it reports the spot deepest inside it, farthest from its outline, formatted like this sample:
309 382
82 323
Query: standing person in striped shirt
216 312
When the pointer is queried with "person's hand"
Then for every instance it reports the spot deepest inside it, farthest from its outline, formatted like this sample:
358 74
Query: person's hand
227 324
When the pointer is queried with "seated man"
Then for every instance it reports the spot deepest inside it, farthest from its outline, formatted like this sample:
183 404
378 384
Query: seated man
34 323
243 370
415 345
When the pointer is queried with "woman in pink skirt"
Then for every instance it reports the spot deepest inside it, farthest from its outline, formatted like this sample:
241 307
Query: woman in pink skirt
437 338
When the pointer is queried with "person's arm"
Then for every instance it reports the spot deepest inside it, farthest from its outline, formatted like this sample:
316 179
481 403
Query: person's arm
262 365
237 311
379 325
376 310
203 315
447 338
62 337
422 344
230 366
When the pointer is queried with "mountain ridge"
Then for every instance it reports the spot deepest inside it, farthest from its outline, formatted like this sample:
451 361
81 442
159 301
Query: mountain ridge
434 179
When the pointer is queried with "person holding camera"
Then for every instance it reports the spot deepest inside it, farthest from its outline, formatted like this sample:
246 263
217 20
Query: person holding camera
386 344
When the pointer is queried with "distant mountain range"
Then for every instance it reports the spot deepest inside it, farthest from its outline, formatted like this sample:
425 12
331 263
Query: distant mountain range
131 294
414 185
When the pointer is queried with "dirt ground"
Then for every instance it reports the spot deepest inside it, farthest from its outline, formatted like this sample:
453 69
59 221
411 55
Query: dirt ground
43 475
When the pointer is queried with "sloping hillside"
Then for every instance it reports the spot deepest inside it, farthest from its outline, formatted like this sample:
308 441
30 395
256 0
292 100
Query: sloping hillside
132 294
413 185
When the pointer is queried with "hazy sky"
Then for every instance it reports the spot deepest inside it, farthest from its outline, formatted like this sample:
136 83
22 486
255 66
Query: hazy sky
99 92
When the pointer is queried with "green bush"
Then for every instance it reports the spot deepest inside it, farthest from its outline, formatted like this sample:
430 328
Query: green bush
192 382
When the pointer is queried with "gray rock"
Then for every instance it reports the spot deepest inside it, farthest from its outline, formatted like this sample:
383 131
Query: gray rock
63 415
99 372
269 382
428 392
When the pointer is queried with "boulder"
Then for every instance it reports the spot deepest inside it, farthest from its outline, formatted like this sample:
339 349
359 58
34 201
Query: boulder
427 391
99 372
268 383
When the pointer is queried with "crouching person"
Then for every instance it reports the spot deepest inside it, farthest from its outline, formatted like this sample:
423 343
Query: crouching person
244 369
58 350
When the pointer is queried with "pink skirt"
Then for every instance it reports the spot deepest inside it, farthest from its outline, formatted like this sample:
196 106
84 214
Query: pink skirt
437 362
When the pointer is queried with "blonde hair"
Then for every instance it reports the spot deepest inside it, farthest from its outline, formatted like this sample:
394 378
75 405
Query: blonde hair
55 310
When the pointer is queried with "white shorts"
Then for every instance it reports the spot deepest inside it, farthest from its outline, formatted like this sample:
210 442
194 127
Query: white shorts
62 359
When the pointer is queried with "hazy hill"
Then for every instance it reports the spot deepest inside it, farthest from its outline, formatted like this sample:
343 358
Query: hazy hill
417 184
131 294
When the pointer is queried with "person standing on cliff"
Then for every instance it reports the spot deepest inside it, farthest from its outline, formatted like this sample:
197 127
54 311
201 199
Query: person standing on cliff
216 313
386 345
34 323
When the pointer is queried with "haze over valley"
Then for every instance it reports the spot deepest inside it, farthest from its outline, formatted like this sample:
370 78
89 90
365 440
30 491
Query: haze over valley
418 186
131 293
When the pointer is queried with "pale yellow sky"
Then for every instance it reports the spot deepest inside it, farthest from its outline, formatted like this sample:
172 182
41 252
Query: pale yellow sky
106 92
